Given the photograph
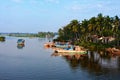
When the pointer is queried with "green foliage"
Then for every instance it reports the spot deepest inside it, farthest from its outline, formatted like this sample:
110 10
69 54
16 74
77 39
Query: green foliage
39 34
80 32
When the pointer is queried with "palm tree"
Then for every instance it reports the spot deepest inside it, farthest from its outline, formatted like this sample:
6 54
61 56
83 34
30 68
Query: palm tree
75 26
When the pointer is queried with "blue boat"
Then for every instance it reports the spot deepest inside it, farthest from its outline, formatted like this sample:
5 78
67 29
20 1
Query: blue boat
61 45
20 41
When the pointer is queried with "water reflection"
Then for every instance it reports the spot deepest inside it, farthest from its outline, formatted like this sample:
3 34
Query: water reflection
70 55
94 62
20 46
2 40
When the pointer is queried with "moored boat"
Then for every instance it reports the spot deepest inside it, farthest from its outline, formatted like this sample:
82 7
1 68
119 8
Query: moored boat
2 38
20 41
70 51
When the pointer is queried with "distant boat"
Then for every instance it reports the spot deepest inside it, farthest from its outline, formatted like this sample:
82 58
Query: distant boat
20 41
2 38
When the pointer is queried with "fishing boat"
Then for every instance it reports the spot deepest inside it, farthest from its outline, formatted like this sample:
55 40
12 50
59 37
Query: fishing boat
70 51
20 41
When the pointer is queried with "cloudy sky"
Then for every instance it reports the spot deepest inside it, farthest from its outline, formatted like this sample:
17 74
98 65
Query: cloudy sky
50 15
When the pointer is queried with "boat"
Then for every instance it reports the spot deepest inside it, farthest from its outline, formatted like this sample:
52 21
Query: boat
2 38
61 46
20 41
70 51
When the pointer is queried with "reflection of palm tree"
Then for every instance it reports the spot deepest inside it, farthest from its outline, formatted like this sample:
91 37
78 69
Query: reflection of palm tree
92 62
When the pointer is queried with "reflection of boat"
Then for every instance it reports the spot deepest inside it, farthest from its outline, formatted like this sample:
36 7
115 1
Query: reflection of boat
69 55
20 41
20 46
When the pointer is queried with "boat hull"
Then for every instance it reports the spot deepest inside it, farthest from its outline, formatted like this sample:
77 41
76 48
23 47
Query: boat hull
70 51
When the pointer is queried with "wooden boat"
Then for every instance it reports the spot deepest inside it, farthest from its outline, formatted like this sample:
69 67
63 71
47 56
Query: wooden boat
20 41
70 51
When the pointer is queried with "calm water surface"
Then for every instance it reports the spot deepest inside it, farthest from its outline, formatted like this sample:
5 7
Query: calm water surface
34 62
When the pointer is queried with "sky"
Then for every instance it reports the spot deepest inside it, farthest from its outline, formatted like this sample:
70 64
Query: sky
32 16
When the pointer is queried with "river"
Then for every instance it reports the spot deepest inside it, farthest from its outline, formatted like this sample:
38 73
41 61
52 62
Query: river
34 62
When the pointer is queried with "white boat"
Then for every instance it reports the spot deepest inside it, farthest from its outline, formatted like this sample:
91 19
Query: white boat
70 51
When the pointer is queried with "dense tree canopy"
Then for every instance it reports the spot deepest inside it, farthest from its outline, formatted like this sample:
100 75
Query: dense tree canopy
100 25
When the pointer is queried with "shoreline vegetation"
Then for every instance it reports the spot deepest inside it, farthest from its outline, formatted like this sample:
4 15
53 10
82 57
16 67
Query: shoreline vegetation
39 34
96 33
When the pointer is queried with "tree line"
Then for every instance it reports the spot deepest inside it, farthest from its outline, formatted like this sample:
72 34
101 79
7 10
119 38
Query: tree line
39 34
102 26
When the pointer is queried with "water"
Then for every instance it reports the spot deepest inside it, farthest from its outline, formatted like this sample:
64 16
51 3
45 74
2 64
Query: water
34 62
